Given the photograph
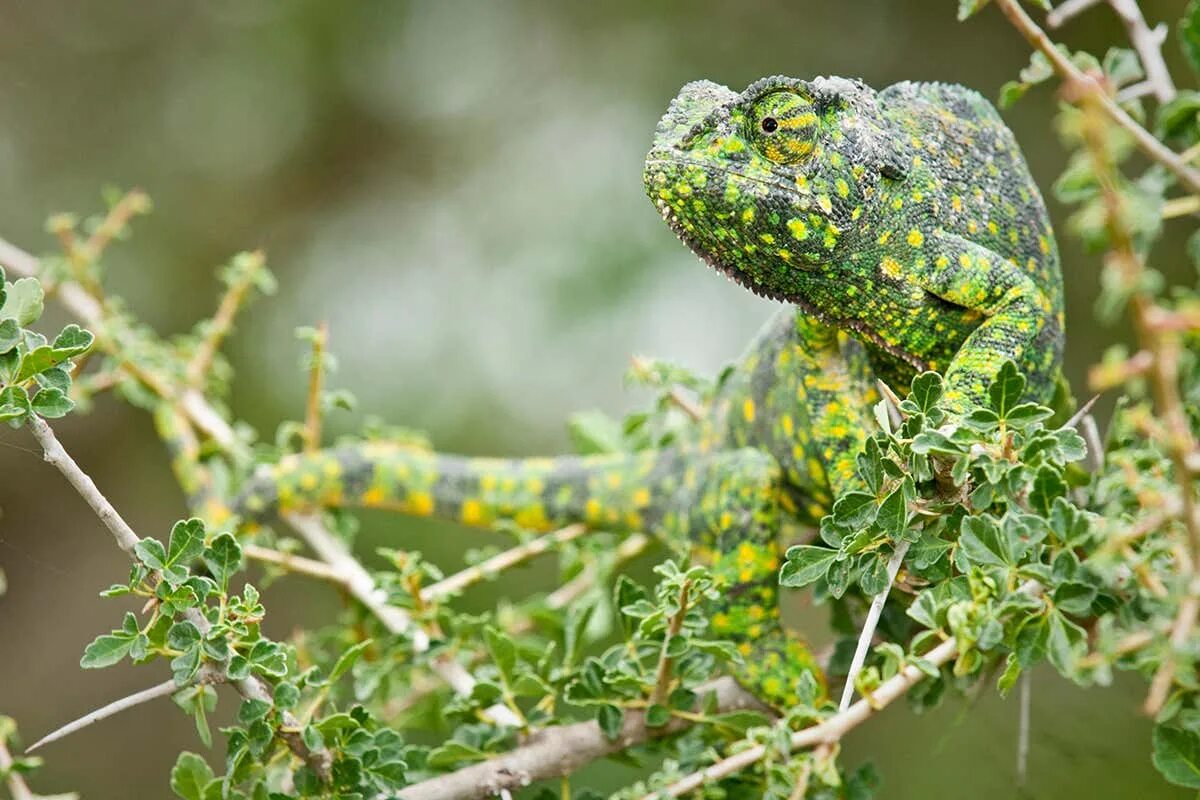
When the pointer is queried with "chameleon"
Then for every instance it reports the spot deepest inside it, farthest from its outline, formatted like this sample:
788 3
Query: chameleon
902 231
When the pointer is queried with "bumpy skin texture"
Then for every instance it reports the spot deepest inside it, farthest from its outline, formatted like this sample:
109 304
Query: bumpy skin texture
904 228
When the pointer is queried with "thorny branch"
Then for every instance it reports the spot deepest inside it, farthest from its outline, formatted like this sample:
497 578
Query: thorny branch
250 688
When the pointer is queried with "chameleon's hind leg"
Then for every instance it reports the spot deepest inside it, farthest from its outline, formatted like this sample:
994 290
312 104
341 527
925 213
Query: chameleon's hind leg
731 513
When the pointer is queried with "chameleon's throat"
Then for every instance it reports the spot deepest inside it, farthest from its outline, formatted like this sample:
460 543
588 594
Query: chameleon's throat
858 328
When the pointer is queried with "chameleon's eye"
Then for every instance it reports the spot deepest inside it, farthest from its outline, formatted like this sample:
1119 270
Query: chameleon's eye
783 126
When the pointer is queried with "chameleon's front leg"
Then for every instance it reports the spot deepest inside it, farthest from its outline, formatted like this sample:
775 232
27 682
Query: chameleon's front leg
1019 323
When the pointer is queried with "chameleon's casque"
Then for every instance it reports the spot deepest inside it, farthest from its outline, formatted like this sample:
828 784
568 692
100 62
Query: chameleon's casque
907 217
905 227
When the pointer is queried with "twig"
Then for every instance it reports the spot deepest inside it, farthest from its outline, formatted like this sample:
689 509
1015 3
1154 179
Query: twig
60 459
104 712
316 379
560 750
1147 42
294 563
1185 622
252 687
1068 10
16 783
221 323
500 562
872 621
829 731
666 664
357 580
1145 141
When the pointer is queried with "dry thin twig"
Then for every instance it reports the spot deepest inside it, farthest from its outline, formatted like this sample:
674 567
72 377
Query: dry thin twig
253 687
1145 141
16 783
1145 40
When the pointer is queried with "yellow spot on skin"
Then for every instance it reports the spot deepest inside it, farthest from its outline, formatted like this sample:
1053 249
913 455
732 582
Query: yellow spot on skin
956 203
613 480
592 509
842 187
825 203
472 512
420 503
916 238
768 238
748 214
964 260
641 497
883 237
941 262
891 267
748 410
373 497
308 481
798 229
533 517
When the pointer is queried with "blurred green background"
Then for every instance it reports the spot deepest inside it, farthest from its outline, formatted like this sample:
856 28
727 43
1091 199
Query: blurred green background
455 186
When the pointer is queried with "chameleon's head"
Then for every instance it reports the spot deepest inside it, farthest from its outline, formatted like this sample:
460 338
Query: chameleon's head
765 184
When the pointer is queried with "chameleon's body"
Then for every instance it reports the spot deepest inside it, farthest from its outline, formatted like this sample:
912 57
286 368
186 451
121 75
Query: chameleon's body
908 231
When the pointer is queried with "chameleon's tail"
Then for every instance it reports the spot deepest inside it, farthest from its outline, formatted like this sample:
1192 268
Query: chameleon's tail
610 491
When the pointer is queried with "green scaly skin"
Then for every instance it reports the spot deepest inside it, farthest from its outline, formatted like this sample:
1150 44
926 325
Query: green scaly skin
904 228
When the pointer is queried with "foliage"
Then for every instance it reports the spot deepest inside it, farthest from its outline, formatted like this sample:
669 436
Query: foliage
1025 541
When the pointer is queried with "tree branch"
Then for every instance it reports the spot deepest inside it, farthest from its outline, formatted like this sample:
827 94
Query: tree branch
561 750
253 687
827 732
1145 141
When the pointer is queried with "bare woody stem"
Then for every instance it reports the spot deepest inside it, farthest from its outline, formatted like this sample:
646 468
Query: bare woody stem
16 783
666 664
828 732
250 688
221 324
1145 141
316 380
560 750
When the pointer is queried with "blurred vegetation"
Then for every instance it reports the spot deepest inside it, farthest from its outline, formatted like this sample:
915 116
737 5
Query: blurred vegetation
455 185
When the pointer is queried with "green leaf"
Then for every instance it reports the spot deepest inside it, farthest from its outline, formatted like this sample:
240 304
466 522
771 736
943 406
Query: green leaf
873 579
657 716
805 564
10 334
186 542
23 302
968 8
892 518
1005 392
855 509
191 777
927 389
105 650
1075 598
347 659
504 652
453 753
1177 755
223 558
984 543
1048 486
51 403
72 341
1189 34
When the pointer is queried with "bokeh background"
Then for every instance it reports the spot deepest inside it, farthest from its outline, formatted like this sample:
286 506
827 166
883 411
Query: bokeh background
455 186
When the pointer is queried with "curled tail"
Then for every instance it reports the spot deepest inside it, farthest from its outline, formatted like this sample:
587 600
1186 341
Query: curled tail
615 491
